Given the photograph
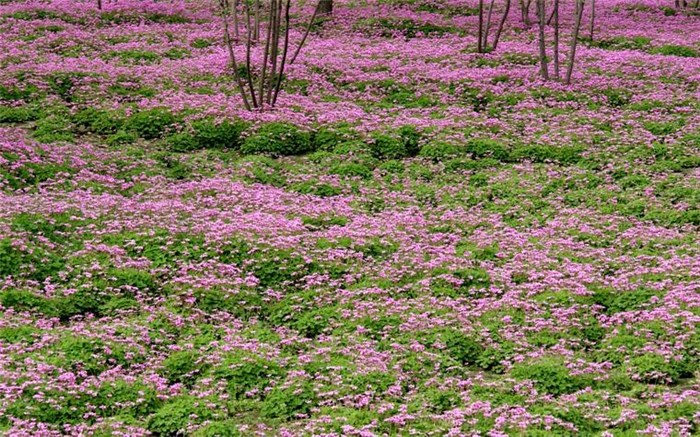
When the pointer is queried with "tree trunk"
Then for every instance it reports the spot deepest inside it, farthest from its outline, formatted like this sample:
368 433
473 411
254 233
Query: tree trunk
525 12
541 15
574 41
480 32
99 4
487 29
591 25
556 39
502 23
325 7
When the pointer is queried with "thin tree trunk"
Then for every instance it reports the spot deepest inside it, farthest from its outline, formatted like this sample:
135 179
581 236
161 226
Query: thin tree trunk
591 25
502 23
248 63
556 39
480 33
99 4
256 29
236 32
487 29
232 57
574 41
274 51
306 34
525 12
268 41
284 52
541 15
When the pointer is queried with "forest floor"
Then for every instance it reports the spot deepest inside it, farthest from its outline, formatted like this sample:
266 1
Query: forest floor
418 240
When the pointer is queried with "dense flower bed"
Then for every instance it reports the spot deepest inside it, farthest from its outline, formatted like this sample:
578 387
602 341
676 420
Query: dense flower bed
418 240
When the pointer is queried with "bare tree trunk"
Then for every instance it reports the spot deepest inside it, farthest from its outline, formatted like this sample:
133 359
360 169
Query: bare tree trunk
541 15
487 29
248 45
591 25
306 34
99 4
236 32
284 53
325 7
274 51
502 23
480 33
525 12
232 57
574 41
256 28
556 39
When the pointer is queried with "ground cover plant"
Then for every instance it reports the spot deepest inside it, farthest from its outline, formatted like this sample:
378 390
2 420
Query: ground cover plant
422 236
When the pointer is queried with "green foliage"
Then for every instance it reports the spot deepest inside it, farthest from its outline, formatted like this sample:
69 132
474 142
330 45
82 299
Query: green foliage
621 43
441 151
17 114
461 347
285 403
98 121
404 143
550 375
483 148
328 137
653 368
278 139
120 138
617 97
244 373
37 264
175 417
152 123
54 128
183 367
23 300
676 50
223 135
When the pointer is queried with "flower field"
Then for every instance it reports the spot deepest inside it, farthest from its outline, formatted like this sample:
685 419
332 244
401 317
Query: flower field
418 239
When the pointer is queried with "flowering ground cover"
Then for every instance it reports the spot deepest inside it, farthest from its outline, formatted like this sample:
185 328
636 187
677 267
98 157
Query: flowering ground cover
418 239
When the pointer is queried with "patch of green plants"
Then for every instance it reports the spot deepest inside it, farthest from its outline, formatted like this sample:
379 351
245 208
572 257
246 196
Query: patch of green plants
278 139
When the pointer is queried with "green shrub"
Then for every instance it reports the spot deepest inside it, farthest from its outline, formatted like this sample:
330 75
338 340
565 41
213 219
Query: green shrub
19 334
182 142
285 403
617 97
223 428
278 139
461 347
676 50
653 368
52 129
152 123
352 169
36 264
183 367
23 300
223 135
327 138
120 138
244 373
441 151
175 417
402 144
550 375
483 147
97 121
17 114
